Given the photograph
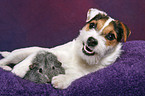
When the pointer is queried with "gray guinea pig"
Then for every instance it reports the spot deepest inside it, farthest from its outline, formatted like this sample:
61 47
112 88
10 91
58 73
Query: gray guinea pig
44 66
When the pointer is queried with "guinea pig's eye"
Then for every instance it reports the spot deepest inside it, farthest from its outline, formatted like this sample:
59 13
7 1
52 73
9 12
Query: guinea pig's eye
40 70
58 64
53 67
110 36
92 25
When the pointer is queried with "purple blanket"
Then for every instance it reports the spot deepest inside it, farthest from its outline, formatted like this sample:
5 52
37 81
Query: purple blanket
126 77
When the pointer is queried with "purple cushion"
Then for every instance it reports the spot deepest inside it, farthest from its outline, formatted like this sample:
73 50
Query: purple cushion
126 77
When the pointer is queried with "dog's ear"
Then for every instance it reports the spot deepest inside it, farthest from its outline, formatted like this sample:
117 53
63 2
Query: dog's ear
123 32
92 13
126 31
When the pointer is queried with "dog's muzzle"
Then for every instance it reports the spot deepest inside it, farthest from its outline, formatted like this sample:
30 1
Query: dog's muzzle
89 45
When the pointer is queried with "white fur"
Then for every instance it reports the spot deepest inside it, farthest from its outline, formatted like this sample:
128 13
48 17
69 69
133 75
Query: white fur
74 61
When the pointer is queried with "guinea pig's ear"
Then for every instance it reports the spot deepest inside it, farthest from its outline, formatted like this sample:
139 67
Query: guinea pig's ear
93 12
58 64
126 31
31 67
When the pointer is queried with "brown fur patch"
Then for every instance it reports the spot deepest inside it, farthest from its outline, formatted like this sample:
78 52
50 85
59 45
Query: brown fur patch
100 23
110 29
126 32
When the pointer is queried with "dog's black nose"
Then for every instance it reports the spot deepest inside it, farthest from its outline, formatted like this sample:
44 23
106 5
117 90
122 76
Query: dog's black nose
92 42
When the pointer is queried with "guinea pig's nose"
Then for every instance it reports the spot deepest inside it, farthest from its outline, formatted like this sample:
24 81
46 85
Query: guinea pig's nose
92 42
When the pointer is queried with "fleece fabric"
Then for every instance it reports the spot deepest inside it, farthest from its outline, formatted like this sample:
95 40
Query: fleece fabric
126 77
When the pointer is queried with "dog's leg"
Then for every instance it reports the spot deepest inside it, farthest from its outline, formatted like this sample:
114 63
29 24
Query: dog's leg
5 53
17 55
21 68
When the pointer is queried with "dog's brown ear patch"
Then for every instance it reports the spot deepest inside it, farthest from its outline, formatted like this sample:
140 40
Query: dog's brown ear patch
123 32
126 31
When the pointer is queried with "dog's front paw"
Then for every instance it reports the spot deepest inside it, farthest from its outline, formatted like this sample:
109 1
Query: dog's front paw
61 81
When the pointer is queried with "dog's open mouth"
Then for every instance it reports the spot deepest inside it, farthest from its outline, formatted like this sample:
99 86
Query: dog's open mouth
87 50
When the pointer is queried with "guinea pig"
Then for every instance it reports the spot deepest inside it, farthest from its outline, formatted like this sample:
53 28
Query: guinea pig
44 66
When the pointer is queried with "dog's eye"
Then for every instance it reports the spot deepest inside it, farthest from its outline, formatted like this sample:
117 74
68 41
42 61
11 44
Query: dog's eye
92 25
40 70
110 36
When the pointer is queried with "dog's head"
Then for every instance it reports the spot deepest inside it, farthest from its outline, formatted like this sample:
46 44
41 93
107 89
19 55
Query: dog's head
101 36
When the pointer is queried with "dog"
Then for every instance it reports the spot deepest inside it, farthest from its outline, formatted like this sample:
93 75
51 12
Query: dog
97 46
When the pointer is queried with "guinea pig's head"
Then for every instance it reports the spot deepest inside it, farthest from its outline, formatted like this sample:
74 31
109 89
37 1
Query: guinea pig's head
42 70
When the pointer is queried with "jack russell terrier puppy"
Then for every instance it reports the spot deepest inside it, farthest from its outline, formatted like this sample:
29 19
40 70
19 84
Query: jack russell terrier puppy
97 46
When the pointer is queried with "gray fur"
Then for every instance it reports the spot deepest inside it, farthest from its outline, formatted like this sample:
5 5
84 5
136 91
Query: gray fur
45 66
